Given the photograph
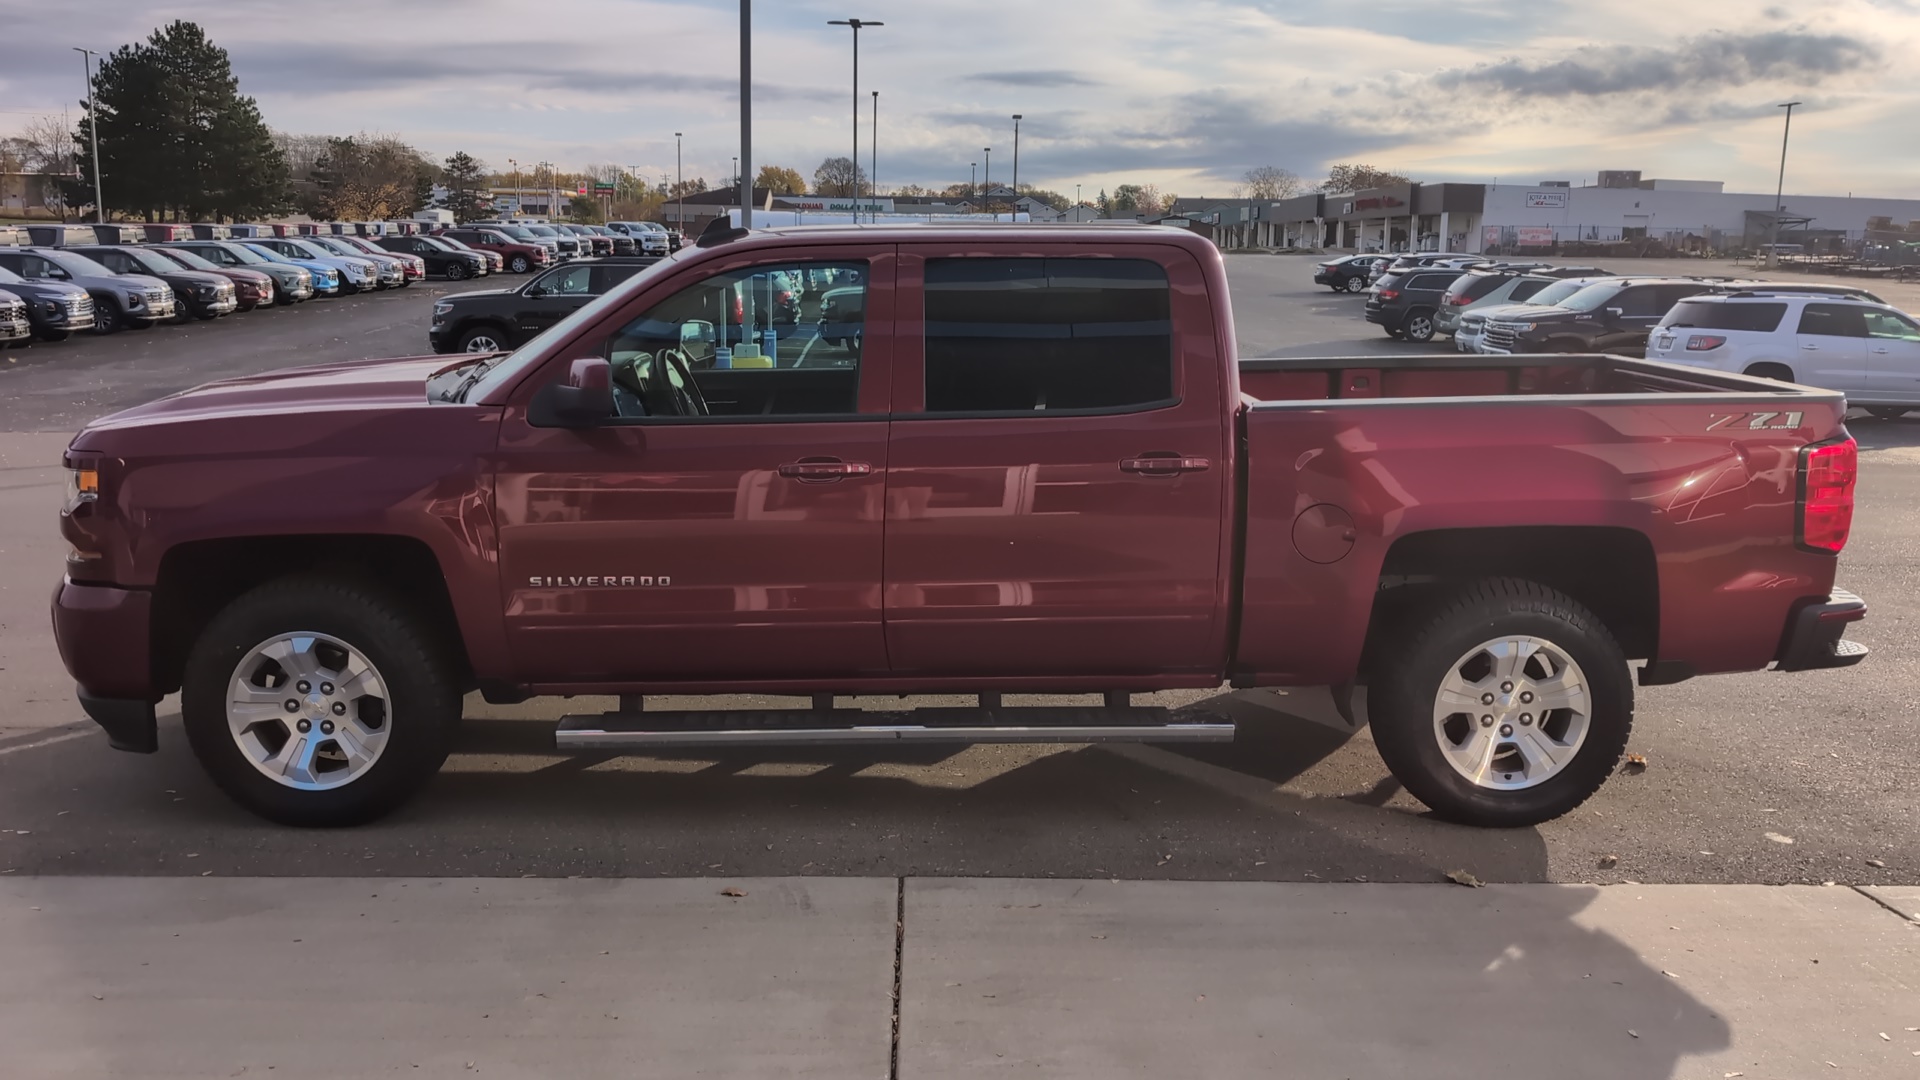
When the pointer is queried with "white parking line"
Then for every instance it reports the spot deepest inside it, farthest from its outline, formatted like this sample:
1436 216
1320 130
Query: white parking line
69 736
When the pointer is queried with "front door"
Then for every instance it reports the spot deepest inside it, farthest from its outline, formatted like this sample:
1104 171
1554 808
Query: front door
726 523
1059 466
1832 341
551 297
1893 356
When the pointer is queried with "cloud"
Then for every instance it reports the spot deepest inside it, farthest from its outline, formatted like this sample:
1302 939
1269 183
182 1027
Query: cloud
1712 60
1045 79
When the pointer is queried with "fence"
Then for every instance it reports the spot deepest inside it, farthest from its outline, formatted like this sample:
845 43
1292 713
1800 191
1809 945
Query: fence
1665 241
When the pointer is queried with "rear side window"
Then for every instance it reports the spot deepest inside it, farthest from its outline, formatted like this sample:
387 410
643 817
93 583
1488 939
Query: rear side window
1525 288
1475 286
1438 282
1833 320
1032 335
606 276
1707 315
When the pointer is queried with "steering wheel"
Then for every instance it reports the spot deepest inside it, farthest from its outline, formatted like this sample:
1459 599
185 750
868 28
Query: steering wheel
671 390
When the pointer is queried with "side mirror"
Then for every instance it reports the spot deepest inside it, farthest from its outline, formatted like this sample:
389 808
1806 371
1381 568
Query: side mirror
536 290
1616 312
584 400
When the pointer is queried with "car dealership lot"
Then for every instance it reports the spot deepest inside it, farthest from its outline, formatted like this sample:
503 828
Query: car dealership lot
1737 766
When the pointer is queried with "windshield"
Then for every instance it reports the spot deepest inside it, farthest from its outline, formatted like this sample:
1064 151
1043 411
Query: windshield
8 277
187 259
508 368
515 231
245 254
435 243
306 249
541 230
1591 298
328 244
150 261
1557 292
78 265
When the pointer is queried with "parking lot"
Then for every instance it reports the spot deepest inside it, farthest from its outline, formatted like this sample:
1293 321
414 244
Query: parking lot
1753 778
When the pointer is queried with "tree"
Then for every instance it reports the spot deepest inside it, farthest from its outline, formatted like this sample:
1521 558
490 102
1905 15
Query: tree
1360 178
467 194
781 180
1052 198
176 137
1144 200
839 177
369 179
585 211
1105 203
1269 182
678 188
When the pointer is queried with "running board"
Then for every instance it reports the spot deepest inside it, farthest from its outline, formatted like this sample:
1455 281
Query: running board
841 727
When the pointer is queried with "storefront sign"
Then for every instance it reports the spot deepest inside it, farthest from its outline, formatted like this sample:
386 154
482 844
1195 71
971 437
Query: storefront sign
1534 235
1556 200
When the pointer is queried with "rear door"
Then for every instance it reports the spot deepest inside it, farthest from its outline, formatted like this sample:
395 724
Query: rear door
1893 355
1058 467
1832 340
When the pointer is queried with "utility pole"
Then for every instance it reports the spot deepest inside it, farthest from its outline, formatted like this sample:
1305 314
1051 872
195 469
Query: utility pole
516 184
93 128
1016 163
680 216
856 24
973 181
1779 190
988 193
746 114
873 174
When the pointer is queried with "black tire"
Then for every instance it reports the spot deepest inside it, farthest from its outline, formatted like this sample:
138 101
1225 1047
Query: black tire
1418 325
418 674
519 264
284 297
1408 672
1354 285
456 271
107 318
470 339
1887 412
53 335
1396 333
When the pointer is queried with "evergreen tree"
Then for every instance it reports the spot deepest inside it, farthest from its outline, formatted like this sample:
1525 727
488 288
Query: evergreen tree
467 195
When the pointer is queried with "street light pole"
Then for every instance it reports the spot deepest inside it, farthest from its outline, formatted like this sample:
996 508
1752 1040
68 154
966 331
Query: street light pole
856 24
1016 163
973 181
93 129
680 180
873 149
988 185
1779 190
516 184
746 114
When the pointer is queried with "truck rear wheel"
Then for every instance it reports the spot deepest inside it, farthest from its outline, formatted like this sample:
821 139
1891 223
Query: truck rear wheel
319 702
1505 705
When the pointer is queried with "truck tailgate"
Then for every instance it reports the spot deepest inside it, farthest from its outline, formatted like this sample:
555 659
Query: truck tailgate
1346 458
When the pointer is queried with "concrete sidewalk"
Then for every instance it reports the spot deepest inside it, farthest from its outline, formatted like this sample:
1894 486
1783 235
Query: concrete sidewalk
319 977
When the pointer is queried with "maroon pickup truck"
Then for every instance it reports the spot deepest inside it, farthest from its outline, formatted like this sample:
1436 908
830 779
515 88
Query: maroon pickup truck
1041 469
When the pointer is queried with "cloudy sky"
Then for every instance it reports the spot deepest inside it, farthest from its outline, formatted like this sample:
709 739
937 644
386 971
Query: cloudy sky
1187 94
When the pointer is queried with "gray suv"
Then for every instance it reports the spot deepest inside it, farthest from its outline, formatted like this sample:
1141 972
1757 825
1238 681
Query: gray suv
120 301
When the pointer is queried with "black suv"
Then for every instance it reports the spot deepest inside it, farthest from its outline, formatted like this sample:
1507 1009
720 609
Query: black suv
1404 302
440 258
1349 274
201 295
495 320
1605 317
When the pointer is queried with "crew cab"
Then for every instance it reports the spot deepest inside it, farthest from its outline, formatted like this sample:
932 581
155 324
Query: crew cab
1047 472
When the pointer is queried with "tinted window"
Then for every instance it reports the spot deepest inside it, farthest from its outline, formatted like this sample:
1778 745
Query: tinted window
571 281
1833 320
1707 315
1665 296
608 275
1636 303
1433 282
1025 335
1526 288
1475 286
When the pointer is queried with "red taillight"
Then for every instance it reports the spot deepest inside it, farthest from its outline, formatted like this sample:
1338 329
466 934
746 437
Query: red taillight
739 315
1388 294
1461 300
1704 342
1827 474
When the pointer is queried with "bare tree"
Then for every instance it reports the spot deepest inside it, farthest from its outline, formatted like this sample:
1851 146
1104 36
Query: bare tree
1268 182
49 146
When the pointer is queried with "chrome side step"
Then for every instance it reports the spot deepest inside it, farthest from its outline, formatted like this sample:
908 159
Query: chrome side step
1038 724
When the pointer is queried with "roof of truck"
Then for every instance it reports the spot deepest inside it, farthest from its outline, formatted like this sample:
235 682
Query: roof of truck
1077 233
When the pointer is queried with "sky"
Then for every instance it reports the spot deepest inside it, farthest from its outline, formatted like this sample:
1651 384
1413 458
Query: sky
1185 94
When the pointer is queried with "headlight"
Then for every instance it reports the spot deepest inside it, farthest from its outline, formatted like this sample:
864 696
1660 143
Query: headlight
442 307
83 485
206 292
133 299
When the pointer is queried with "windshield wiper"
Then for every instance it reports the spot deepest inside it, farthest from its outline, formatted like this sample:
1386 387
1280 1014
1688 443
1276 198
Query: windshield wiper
479 371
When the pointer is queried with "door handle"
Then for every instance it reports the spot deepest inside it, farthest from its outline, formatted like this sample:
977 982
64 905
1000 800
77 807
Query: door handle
1164 465
1811 348
1880 350
824 470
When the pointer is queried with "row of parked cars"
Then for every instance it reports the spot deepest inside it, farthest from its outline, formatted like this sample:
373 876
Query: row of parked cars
1830 335
57 280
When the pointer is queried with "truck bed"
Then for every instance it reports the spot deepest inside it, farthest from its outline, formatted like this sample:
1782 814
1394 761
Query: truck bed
1358 468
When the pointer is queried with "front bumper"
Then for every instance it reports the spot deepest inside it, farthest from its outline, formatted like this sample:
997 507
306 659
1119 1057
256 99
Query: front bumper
1812 640
15 328
103 634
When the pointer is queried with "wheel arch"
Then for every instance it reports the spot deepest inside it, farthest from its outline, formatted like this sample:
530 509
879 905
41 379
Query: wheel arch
198 579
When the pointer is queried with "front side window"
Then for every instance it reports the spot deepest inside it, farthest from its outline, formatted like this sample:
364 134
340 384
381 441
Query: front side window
1637 303
747 343
1025 336
1890 324
1833 320
569 281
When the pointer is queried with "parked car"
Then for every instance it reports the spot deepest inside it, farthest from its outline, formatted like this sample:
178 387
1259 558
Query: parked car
291 284
327 280
1348 274
1549 270
391 271
590 514
55 309
1405 303
495 264
437 257
200 295
1483 289
571 246
622 243
251 288
413 266
356 274
593 242
14 324
525 235
1611 316
1866 350
132 301
521 256
1472 330
1414 260
495 320
652 241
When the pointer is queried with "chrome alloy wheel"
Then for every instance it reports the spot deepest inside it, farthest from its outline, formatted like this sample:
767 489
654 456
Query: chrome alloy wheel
483 343
1512 713
309 711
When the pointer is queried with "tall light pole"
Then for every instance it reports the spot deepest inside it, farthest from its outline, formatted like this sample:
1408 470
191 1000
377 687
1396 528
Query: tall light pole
873 174
1779 190
516 184
746 114
856 24
987 195
93 129
973 181
1016 163
680 179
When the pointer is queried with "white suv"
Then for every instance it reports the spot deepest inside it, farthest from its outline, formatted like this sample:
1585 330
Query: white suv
1867 350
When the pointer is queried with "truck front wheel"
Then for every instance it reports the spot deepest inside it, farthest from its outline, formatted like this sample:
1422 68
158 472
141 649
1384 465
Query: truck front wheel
1505 705
319 702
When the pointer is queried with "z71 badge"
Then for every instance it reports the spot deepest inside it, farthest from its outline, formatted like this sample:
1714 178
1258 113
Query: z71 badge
1755 421
598 581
